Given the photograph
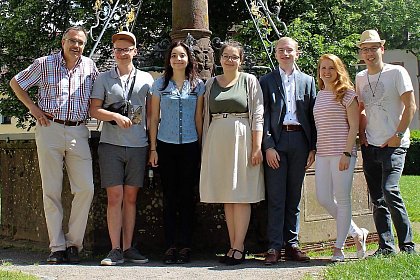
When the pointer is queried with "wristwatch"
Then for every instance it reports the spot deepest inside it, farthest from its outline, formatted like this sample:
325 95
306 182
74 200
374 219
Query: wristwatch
399 134
347 154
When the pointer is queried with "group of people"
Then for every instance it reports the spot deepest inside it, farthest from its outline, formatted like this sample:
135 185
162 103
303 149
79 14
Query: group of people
254 140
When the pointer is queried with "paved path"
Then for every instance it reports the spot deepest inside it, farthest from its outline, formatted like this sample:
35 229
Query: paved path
29 262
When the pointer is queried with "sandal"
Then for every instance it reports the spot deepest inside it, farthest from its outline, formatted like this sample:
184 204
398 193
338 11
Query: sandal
234 261
225 257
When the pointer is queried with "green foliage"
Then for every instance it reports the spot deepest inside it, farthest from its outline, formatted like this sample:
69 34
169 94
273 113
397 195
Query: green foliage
13 275
412 159
402 266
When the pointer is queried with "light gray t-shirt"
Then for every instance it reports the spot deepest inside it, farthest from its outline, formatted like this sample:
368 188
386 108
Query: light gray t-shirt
382 100
108 87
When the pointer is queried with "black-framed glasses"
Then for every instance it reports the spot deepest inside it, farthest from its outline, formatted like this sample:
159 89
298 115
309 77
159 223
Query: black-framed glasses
231 57
75 42
123 50
372 49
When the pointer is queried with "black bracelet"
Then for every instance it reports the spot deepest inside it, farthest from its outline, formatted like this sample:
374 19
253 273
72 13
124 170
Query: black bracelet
347 154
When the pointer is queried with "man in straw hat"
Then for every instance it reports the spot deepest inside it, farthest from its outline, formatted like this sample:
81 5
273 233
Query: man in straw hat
387 107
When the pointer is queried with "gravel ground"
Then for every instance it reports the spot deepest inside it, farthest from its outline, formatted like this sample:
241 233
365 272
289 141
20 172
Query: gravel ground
34 263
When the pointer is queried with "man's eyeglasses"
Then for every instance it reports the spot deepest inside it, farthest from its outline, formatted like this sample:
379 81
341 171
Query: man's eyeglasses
231 57
75 42
367 50
123 50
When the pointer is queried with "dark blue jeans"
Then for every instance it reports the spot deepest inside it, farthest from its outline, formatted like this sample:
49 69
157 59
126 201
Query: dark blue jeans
383 168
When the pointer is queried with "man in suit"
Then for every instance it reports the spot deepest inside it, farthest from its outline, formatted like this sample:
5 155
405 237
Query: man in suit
289 144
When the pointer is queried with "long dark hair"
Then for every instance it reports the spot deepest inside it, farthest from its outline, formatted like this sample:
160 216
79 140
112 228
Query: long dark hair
190 71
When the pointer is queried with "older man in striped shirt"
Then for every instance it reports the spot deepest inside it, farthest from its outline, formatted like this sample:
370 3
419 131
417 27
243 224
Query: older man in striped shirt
64 81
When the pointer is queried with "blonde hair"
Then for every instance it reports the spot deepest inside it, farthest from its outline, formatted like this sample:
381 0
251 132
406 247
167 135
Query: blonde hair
343 83
287 39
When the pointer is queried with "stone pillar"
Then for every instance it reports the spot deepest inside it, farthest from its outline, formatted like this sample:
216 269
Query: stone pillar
191 16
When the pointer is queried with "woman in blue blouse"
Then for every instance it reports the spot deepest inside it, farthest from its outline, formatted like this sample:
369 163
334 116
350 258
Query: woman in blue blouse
174 145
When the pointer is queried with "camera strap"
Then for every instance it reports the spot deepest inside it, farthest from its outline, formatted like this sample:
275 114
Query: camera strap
130 92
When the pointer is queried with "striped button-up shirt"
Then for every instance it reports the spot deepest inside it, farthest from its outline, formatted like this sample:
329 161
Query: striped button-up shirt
62 92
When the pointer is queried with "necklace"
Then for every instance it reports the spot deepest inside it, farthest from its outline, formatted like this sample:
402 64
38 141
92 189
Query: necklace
377 82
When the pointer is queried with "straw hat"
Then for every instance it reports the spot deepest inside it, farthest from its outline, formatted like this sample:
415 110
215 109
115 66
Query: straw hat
370 36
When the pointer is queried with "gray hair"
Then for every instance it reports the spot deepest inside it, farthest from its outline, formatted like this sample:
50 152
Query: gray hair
75 28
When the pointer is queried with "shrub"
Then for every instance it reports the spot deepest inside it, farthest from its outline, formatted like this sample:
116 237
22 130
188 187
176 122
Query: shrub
412 160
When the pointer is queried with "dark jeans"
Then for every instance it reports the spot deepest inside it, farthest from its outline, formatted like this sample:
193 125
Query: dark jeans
383 168
178 167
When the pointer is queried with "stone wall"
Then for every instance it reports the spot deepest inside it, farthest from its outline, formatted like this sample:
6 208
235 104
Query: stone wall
22 216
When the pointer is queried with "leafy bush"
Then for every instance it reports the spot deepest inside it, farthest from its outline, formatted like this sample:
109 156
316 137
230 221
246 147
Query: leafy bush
412 160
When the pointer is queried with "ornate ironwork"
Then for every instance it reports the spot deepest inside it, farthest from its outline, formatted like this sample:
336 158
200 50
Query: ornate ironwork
262 17
125 13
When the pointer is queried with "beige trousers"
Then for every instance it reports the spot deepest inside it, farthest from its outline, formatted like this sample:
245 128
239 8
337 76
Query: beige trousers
58 144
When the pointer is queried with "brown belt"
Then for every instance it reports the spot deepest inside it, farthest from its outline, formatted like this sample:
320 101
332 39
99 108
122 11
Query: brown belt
68 123
292 127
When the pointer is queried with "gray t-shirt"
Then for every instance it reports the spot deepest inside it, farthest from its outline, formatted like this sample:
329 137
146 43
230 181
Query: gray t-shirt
108 87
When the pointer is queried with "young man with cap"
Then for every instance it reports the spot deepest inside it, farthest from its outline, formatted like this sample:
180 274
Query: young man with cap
387 107
123 147
64 82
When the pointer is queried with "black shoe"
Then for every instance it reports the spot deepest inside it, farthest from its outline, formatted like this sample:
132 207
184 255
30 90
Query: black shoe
72 255
408 250
234 261
383 253
183 256
170 256
57 257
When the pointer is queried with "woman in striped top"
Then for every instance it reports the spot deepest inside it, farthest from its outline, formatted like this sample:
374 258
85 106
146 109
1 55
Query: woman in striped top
337 122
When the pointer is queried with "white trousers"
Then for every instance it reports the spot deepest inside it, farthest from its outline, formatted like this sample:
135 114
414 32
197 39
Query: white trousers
333 190
58 144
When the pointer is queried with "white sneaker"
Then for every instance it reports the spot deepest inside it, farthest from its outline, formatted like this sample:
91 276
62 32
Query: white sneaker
338 258
361 254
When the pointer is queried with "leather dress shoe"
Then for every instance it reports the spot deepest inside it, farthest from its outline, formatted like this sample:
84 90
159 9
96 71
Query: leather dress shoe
57 257
295 254
272 257
72 255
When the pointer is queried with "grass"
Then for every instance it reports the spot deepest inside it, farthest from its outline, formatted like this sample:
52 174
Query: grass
410 187
13 275
401 266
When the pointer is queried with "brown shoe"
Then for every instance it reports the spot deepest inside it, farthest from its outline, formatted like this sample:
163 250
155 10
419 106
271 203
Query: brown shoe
272 257
295 254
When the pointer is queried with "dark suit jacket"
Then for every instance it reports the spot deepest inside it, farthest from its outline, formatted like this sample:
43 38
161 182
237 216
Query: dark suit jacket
275 107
